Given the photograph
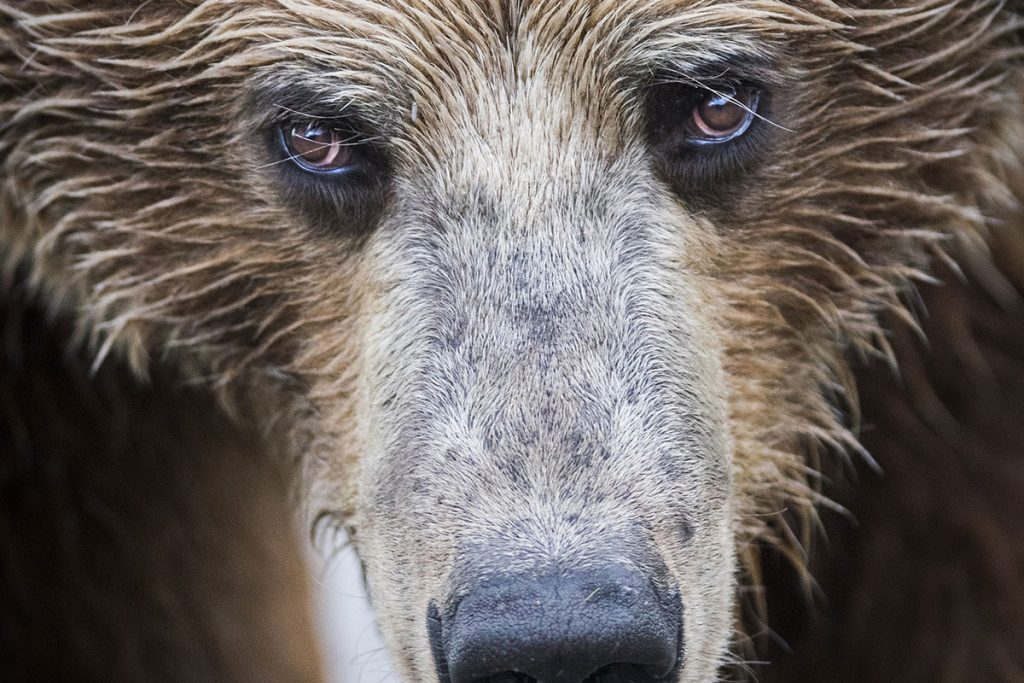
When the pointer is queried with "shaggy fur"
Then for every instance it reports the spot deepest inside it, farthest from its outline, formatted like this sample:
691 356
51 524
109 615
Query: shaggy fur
932 539
138 193
936 543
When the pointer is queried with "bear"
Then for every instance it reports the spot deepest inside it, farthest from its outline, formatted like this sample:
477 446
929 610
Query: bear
581 318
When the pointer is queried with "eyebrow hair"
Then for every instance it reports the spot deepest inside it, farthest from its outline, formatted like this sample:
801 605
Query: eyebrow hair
279 101
689 66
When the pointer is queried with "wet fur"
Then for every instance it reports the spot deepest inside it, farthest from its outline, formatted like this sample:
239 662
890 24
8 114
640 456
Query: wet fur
118 124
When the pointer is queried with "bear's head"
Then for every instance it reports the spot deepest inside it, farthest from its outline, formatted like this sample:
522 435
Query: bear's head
551 301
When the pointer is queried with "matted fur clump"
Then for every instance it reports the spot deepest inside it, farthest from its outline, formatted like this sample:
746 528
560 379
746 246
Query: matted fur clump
530 326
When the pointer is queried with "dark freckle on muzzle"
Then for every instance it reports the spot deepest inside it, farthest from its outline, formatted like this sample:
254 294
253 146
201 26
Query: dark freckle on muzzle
598 625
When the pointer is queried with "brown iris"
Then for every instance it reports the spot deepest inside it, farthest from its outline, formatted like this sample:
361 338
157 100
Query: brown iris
318 148
723 116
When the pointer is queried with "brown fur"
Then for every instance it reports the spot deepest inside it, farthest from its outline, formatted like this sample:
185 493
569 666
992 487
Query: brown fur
937 543
143 535
134 194
932 539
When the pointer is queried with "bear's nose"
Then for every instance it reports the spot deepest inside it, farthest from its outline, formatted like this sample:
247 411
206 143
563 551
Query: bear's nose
602 625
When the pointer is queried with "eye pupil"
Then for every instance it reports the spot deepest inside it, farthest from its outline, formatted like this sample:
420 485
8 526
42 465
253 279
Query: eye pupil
318 148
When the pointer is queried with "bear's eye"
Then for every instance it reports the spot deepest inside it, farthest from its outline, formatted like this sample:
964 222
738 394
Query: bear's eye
704 136
332 170
722 116
318 148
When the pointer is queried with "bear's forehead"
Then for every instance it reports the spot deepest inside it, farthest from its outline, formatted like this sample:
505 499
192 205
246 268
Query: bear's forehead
431 41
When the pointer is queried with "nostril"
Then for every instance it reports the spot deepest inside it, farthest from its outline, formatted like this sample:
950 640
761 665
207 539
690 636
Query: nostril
616 673
604 625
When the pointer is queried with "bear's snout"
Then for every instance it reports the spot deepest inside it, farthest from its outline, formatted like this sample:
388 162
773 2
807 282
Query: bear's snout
594 624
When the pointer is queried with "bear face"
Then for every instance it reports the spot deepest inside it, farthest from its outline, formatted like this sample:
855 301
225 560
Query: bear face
531 290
